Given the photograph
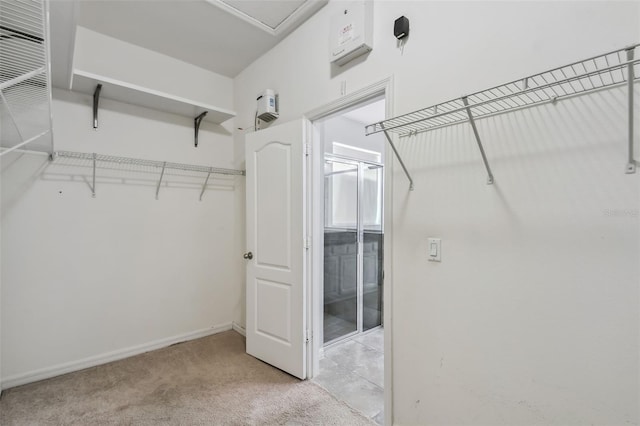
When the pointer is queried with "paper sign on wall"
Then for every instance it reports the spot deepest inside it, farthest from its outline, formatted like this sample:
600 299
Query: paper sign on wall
351 32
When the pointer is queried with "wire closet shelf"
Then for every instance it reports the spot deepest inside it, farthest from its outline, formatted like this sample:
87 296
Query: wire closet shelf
148 163
162 165
608 70
25 80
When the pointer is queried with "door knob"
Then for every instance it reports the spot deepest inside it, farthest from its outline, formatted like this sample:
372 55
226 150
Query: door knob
248 255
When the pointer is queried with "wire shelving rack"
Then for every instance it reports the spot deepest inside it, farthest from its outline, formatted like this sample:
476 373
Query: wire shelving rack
612 69
25 77
162 165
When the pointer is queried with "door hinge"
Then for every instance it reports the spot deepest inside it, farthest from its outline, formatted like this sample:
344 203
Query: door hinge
307 243
307 336
307 149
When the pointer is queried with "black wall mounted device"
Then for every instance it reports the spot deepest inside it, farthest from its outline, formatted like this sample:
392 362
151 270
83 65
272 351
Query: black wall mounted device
401 27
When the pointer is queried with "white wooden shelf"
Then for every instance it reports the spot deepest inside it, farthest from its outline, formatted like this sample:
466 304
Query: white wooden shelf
86 82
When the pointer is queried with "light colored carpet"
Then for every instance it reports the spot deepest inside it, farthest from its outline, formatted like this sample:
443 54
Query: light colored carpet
209 381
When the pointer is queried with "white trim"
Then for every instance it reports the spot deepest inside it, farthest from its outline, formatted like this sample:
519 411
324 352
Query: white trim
290 23
239 329
310 252
299 16
387 318
357 97
315 228
72 56
69 367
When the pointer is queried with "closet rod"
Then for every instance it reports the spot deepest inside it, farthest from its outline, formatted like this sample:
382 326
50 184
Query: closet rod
94 158
617 68
592 74
148 163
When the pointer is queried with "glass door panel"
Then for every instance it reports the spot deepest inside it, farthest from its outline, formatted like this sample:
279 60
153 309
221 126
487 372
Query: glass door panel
372 246
340 249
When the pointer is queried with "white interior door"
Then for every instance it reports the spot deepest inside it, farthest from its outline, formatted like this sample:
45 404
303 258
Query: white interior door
276 287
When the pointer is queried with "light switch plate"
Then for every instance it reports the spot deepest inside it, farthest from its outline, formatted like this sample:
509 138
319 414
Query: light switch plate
434 250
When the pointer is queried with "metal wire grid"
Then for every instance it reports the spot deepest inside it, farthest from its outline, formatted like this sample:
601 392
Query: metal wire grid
25 96
598 72
148 163
22 48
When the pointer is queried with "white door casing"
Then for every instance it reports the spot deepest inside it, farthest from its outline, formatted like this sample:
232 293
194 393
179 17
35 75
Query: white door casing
276 273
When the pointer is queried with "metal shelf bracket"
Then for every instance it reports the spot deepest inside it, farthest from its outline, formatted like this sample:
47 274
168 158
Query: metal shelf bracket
617 68
196 126
631 164
93 185
96 100
11 116
395 151
204 186
465 101
164 165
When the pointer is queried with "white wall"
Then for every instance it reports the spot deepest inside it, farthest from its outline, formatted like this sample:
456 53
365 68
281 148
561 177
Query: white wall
106 56
349 132
85 279
0 284
532 316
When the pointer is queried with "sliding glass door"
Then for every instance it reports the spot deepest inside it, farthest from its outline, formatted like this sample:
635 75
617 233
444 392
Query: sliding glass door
340 249
372 246
352 247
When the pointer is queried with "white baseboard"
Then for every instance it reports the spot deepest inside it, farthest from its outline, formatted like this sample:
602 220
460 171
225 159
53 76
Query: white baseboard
239 329
69 367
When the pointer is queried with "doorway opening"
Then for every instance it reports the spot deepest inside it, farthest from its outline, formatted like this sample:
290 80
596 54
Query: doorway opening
352 352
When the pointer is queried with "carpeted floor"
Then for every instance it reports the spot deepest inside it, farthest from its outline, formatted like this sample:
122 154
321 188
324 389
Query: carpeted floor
209 381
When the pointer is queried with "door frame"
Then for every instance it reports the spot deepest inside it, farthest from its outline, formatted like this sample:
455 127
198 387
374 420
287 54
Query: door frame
315 193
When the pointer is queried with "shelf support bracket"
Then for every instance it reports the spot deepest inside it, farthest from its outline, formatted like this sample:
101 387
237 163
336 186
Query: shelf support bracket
395 151
11 116
96 100
465 101
206 181
93 185
631 164
164 165
196 126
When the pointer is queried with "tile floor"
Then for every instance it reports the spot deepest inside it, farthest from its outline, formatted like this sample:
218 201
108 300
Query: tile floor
335 327
353 371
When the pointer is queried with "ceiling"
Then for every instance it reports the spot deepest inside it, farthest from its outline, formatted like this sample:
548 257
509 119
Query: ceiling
223 36
269 14
367 114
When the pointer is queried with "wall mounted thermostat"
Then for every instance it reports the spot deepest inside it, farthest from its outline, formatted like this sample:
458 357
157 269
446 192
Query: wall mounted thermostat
401 27
351 32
